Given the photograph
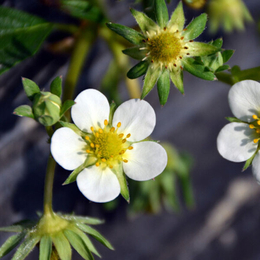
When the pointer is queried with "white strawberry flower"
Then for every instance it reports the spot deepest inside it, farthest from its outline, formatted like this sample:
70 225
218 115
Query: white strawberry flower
239 141
106 150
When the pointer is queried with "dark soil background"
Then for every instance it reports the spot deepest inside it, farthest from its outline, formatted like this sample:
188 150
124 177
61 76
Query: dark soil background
226 221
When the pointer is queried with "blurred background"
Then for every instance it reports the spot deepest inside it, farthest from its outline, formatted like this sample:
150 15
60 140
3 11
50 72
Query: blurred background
224 223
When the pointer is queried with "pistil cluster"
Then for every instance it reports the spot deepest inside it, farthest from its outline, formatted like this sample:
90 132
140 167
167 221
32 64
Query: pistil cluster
107 145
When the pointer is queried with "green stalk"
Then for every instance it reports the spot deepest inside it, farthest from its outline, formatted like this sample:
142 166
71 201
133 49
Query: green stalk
47 201
81 48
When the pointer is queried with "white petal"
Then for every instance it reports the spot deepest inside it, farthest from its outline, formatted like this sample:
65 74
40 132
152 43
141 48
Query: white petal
91 109
256 167
98 185
235 142
244 99
68 148
145 161
137 118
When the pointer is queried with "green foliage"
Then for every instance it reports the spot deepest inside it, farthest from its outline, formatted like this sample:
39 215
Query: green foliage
21 36
30 88
24 110
56 86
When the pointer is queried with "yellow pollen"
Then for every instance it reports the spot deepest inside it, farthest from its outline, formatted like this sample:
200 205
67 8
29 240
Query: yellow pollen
97 145
130 147
256 140
92 145
121 135
103 160
111 156
100 130
254 116
128 135
123 141
92 128
258 122
105 122
112 129
110 166
119 124
125 161
97 164
88 151
251 126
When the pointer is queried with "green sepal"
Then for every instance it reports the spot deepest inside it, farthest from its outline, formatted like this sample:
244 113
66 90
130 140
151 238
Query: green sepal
177 79
62 245
222 68
213 62
218 43
45 248
11 243
234 119
78 244
201 49
145 23
66 106
227 54
113 107
150 80
91 231
177 18
129 34
24 110
73 176
30 88
161 13
163 87
85 240
56 86
197 69
138 70
21 35
72 127
46 120
82 219
195 27
135 53
118 171
249 161
26 247
19 226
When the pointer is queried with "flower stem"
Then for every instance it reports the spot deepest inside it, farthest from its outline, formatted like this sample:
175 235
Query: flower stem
80 51
47 203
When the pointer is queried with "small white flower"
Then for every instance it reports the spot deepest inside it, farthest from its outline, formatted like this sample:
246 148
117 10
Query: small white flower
115 148
239 141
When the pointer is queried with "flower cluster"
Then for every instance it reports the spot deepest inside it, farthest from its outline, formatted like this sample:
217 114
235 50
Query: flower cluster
104 148
238 141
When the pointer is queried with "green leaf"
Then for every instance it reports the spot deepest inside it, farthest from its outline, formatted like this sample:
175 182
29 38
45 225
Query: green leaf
234 119
11 243
138 70
227 54
45 248
85 239
161 13
26 247
163 87
222 68
73 176
24 110
78 243
62 246
91 231
150 80
135 53
145 23
197 70
30 87
21 35
195 27
56 86
118 171
201 49
177 18
177 79
84 220
129 34
65 106
82 9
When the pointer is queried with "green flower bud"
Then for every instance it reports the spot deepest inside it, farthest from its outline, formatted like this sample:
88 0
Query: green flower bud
46 108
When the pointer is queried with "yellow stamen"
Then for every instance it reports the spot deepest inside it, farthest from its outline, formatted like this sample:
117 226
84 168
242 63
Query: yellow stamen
121 135
119 124
105 122
130 147
256 140
87 138
88 151
251 126
92 145
97 145
258 122
97 164
97 134
123 141
92 128
100 130
103 160
112 129
125 161
128 135
258 131
110 166
254 116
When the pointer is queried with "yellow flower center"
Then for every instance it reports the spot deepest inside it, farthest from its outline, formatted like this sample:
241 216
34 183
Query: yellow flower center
107 146
256 125
165 47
